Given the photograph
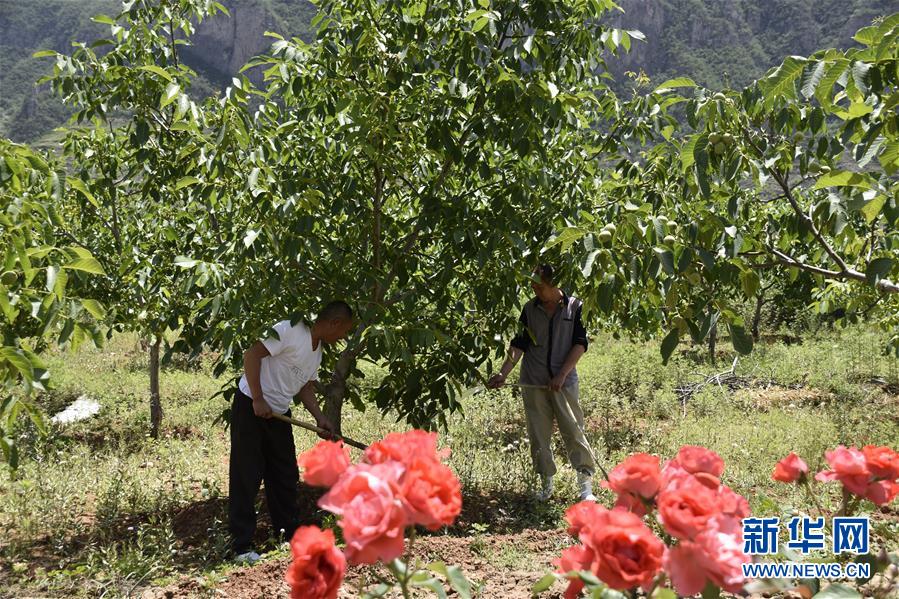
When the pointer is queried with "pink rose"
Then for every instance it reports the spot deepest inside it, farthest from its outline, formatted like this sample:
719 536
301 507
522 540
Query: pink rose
583 514
790 469
431 494
368 498
402 447
716 556
882 462
847 466
694 458
686 508
323 464
318 567
631 503
672 474
574 559
639 475
882 492
627 553
732 504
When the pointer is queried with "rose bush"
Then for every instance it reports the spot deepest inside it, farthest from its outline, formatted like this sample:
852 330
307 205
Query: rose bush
870 473
400 483
699 518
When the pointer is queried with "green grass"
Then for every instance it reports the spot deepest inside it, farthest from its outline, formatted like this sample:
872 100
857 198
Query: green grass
98 506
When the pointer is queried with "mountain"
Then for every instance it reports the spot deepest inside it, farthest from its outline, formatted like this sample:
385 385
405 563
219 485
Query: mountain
713 41
704 39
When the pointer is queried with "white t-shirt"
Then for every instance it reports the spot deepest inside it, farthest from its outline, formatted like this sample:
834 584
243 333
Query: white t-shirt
292 364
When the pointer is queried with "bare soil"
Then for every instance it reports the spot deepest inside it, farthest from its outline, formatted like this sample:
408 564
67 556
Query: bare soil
484 559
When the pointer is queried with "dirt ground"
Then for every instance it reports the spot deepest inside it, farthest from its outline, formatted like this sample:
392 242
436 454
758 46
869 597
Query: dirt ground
477 557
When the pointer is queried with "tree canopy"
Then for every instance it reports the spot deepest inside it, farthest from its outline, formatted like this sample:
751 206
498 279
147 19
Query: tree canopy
417 160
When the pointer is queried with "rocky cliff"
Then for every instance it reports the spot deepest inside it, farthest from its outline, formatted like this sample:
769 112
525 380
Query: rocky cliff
714 41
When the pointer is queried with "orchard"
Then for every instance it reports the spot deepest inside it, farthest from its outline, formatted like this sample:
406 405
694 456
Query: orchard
395 188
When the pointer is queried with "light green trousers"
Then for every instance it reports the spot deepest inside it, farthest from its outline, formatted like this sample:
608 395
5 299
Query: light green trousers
541 406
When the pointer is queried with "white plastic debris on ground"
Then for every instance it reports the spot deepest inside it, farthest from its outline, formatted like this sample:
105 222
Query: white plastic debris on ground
82 408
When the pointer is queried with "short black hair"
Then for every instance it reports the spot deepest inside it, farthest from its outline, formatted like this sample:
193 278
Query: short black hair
547 273
336 310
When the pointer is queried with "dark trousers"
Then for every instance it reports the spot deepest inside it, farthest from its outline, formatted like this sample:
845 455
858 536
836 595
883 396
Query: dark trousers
261 450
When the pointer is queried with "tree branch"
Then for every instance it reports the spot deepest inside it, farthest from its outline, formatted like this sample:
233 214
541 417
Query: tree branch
849 274
788 193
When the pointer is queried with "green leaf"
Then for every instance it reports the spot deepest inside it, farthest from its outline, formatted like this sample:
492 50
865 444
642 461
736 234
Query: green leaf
544 583
44 53
661 593
838 178
669 343
433 584
740 340
812 78
750 282
103 19
711 591
17 360
687 158
666 258
782 82
458 582
588 264
185 181
171 92
872 209
94 307
185 262
878 269
825 86
480 24
860 76
590 579
856 110
838 591
475 15
674 84
566 237
889 158
152 68
79 185
867 35
59 285
377 592
86 265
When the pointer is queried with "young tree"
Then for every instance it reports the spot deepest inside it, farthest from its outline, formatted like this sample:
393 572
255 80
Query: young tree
36 269
796 173
136 148
411 159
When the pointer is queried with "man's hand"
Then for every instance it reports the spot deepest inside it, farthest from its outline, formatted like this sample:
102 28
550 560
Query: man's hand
497 381
261 408
558 382
323 422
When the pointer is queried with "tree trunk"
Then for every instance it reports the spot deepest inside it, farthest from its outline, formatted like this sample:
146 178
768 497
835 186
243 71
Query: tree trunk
713 338
756 319
335 391
155 402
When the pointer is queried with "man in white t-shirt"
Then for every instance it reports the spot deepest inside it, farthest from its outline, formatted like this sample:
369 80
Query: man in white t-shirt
276 370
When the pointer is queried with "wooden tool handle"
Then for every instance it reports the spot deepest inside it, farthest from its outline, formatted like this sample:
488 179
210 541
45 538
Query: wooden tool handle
316 429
